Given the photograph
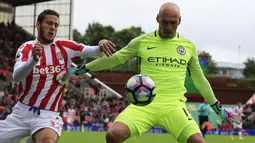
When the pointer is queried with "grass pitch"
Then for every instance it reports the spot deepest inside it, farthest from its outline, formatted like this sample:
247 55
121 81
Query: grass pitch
98 137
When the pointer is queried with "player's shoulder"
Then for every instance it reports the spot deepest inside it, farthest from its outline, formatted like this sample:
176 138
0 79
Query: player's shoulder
185 40
141 37
28 45
69 44
64 42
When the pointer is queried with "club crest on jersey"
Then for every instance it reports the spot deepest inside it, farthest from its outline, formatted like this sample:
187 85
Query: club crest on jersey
19 55
181 50
59 56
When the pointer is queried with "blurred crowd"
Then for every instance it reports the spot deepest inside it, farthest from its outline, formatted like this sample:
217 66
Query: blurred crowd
249 116
11 37
86 102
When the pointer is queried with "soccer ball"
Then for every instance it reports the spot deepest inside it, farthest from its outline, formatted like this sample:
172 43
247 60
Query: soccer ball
140 90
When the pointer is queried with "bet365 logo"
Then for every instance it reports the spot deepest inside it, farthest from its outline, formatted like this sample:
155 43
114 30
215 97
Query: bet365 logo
48 69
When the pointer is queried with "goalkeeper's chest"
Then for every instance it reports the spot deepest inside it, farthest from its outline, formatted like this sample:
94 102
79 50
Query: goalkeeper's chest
165 55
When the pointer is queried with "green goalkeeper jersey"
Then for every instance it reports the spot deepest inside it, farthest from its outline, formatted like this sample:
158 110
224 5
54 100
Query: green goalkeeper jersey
166 61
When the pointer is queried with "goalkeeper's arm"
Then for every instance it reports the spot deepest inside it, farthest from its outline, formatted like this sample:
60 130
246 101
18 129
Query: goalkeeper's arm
205 89
203 86
118 58
103 63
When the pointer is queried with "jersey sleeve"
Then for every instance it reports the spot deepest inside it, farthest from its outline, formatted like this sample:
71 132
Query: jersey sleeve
199 79
128 51
24 62
79 50
23 53
118 58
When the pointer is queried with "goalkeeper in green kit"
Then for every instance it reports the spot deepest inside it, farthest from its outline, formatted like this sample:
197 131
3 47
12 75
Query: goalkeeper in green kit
165 57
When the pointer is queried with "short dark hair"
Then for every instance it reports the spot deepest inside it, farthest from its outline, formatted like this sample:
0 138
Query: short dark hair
42 15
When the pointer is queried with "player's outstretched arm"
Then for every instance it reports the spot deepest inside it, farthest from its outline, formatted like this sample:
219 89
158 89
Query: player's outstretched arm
118 58
205 89
103 63
75 50
105 47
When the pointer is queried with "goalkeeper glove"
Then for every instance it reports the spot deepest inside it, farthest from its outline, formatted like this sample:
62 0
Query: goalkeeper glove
63 76
226 116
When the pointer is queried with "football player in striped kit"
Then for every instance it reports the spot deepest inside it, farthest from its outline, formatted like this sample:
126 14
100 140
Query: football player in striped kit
38 63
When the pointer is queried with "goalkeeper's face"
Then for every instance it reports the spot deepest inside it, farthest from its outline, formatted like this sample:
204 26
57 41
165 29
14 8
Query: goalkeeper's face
48 28
168 19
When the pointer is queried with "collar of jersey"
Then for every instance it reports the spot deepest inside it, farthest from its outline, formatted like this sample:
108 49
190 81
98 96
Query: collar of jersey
156 34
54 41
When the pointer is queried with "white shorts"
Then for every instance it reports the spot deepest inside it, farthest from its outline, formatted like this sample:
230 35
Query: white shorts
22 122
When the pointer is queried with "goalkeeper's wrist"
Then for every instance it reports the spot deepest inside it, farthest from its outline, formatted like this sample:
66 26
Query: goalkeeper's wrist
81 70
217 107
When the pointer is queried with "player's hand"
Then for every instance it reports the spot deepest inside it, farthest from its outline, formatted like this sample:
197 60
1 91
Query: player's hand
107 47
37 51
64 76
226 116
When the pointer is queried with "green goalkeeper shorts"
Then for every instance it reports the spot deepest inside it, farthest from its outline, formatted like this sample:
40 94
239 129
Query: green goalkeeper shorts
174 117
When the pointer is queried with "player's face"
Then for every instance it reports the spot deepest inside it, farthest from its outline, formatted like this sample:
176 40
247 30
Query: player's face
168 24
48 28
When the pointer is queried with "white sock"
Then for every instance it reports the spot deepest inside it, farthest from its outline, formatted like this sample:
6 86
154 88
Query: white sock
240 134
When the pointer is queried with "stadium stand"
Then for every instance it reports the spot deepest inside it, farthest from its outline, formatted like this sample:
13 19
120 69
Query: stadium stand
11 37
22 2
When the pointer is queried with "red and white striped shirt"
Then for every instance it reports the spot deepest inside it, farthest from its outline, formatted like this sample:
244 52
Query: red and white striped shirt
38 86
